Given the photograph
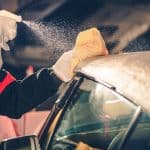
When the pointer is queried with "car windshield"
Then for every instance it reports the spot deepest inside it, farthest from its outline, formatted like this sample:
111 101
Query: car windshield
95 116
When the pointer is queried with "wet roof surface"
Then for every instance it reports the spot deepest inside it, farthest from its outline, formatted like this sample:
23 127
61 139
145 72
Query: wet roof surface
129 73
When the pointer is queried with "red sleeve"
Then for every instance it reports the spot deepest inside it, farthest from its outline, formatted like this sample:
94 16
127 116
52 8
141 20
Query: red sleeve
6 81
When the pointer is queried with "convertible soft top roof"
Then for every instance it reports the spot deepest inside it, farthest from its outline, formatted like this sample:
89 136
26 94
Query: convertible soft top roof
129 73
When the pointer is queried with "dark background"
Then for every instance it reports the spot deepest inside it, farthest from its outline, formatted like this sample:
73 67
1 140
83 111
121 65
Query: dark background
123 23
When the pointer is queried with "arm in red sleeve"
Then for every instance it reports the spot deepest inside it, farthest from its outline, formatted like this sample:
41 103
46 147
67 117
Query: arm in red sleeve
18 97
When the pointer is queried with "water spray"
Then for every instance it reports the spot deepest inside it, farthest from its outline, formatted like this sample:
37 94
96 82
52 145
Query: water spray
52 39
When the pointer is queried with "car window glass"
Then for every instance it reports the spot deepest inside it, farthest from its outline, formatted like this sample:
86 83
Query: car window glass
140 137
95 116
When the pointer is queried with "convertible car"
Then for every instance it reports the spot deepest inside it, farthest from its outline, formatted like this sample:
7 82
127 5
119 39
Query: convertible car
105 107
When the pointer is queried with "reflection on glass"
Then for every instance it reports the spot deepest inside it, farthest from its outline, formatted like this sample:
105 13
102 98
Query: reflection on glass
95 116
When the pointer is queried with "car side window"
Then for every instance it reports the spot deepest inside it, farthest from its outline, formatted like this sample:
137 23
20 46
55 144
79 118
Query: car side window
96 116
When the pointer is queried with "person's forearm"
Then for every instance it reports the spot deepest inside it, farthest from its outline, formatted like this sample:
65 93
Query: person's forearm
21 96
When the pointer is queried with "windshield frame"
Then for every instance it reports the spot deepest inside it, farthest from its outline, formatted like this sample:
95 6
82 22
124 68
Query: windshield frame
59 104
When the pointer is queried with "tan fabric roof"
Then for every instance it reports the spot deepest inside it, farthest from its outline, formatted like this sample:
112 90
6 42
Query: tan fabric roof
129 73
